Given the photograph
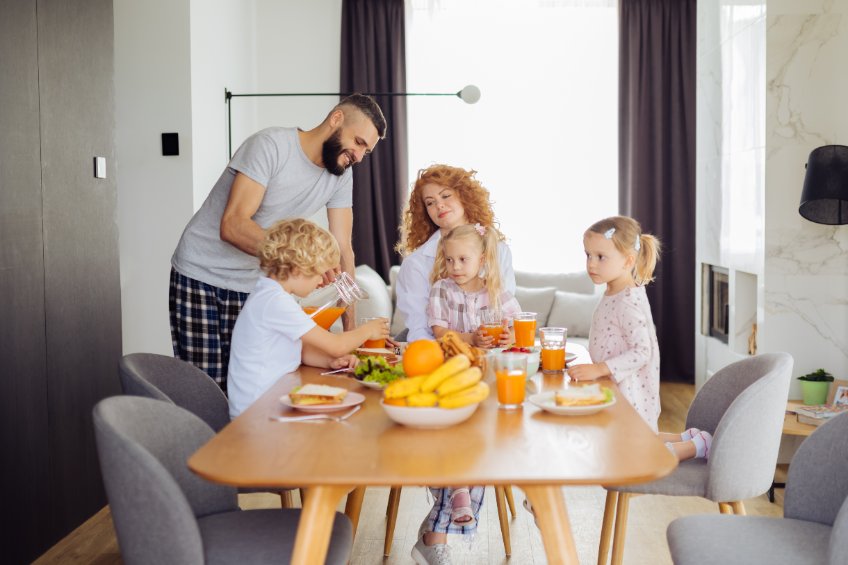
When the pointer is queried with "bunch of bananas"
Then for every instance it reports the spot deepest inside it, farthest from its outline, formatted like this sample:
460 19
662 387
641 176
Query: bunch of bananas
453 384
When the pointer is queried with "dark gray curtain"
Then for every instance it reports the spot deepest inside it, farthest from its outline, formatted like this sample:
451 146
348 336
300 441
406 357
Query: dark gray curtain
657 161
373 60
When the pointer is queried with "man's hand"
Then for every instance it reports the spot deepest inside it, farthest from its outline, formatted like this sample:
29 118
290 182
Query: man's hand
330 276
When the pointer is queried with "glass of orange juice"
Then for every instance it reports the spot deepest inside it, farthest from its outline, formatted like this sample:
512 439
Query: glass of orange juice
553 349
491 322
524 325
373 343
511 376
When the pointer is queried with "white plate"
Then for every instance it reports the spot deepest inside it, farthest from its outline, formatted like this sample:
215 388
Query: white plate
546 401
569 356
428 418
351 399
373 385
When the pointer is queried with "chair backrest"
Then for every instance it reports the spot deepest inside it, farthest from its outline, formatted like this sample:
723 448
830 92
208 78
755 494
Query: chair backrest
817 485
143 445
173 380
746 439
838 546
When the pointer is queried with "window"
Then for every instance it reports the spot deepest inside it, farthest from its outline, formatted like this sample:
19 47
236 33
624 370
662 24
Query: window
544 135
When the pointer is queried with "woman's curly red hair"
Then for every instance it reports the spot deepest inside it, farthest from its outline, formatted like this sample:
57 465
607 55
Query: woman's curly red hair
416 225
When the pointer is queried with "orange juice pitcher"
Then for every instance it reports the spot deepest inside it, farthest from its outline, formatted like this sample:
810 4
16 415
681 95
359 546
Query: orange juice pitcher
327 303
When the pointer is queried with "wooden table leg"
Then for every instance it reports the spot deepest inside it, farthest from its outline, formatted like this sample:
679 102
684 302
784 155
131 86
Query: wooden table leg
510 500
552 518
353 506
503 519
316 524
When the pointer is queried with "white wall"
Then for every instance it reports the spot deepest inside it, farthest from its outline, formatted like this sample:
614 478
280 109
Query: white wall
223 55
806 264
152 96
770 90
173 60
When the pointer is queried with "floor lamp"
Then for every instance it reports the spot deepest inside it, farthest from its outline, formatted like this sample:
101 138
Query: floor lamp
824 198
470 95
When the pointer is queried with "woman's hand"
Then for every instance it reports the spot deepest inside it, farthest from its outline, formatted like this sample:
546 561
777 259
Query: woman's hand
588 372
344 362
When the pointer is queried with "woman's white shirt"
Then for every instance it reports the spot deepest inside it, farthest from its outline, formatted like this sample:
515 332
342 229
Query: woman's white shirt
413 284
266 343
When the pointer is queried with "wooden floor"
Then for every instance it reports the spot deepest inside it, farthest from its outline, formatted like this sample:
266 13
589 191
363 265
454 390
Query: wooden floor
94 541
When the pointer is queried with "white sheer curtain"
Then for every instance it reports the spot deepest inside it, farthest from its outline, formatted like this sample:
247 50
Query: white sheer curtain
543 136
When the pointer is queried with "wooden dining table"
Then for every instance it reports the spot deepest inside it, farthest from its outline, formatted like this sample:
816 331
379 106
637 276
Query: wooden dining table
535 450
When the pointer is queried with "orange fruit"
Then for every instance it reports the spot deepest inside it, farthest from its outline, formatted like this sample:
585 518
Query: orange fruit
422 357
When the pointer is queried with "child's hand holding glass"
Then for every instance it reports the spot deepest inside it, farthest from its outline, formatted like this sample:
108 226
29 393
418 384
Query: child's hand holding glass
492 330
377 329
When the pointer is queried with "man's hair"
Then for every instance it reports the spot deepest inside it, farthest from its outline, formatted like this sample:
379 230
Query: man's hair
297 244
369 107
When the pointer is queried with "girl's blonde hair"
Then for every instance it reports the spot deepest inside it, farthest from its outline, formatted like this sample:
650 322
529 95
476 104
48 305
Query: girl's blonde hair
416 225
486 241
297 244
626 234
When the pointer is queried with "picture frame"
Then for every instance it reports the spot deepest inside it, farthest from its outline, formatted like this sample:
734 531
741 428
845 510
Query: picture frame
838 393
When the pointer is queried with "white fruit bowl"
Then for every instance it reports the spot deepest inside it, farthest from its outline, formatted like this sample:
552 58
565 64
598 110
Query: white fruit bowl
428 418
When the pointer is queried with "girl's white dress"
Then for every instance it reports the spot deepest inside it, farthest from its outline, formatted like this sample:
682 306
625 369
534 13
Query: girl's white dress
623 336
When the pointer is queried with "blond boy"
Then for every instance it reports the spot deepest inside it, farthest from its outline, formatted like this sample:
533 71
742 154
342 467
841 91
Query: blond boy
272 335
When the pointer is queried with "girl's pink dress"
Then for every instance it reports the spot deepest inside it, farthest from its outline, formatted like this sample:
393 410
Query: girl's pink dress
623 336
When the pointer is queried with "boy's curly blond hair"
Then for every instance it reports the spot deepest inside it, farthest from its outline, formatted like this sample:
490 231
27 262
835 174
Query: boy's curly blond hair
300 245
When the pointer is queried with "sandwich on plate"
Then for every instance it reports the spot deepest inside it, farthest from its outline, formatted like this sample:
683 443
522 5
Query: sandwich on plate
312 394
588 395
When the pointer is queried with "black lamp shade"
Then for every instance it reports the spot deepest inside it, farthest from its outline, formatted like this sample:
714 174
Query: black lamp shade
824 199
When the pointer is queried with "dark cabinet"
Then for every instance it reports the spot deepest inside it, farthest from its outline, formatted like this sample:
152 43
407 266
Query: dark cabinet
60 331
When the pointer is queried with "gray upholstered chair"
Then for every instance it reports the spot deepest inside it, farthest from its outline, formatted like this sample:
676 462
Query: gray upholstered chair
173 380
813 531
176 381
742 406
164 513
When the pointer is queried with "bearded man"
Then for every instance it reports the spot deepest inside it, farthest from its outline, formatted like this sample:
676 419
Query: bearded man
277 173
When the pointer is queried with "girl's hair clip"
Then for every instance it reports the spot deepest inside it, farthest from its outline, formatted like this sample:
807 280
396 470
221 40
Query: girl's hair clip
480 229
638 245
609 232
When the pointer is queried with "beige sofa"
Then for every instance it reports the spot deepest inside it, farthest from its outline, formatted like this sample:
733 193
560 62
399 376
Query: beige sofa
561 299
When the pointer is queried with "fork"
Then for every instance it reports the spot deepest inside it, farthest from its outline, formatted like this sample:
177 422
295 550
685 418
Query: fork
343 417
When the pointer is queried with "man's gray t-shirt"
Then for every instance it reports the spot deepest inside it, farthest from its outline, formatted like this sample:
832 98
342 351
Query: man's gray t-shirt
295 187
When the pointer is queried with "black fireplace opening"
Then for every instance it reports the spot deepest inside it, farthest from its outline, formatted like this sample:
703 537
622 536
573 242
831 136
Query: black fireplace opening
719 303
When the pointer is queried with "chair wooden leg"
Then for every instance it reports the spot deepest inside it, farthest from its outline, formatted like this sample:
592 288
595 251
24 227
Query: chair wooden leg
606 528
620 528
286 500
353 506
391 518
510 501
725 508
738 507
302 492
503 518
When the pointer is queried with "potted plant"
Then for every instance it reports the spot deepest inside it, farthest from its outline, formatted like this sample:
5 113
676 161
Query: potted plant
814 386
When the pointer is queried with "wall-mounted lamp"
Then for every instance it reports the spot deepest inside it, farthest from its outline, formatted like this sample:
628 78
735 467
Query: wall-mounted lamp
824 199
470 95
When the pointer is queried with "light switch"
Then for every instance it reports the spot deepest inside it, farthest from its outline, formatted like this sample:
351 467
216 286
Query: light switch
100 167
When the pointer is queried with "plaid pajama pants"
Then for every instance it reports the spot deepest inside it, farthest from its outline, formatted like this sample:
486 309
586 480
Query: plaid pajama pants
439 518
202 320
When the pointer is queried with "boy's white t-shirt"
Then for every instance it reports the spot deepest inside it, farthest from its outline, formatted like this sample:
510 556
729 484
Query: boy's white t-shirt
265 344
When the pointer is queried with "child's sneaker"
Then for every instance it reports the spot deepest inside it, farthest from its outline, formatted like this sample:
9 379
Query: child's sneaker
436 554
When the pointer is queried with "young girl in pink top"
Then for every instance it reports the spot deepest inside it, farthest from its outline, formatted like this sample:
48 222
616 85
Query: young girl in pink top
622 340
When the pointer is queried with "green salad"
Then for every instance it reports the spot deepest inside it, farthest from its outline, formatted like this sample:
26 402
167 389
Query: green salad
375 369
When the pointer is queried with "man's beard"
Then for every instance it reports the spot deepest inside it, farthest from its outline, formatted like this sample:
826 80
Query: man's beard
331 150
